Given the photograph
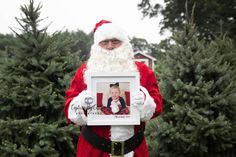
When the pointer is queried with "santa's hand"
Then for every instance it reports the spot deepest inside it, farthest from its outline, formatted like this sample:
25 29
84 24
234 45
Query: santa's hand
77 106
138 99
145 103
87 101
84 100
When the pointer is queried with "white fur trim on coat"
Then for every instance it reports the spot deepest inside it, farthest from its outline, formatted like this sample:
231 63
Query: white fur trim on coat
148 108
76 112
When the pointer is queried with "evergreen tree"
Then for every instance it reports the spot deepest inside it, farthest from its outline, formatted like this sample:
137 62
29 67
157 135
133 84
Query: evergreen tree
34 77
6 43
226 47
32 137
199 89
33 82
80 42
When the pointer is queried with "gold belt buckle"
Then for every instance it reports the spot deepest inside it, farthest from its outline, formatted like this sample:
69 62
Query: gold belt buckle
117 146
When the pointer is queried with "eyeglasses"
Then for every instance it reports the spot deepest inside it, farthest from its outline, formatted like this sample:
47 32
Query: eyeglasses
113 42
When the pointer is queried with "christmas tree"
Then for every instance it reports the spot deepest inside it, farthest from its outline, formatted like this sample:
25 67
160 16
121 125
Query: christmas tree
199 89
33 81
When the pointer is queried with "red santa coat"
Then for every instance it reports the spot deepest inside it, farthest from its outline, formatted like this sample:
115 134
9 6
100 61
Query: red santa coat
147 80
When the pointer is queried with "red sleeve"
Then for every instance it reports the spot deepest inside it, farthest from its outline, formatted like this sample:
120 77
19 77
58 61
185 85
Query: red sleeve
148 80
77 86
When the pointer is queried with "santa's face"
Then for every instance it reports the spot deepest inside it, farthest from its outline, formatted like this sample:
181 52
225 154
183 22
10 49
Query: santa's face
110 44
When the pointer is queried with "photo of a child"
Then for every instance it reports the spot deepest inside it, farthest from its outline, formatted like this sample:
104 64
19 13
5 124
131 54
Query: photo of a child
115 103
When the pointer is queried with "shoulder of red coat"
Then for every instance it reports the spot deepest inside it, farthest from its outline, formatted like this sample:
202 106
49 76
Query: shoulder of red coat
141 65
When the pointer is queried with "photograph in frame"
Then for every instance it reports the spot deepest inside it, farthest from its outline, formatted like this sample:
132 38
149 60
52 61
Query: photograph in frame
112 99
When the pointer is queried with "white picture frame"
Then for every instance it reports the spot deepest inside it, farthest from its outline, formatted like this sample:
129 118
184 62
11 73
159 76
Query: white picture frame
99 85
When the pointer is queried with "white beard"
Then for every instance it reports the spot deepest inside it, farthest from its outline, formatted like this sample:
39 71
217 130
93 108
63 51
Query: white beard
117 60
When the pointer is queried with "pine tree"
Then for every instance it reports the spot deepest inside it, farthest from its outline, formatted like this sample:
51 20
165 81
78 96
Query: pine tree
34 77
32 137
199 89
33 82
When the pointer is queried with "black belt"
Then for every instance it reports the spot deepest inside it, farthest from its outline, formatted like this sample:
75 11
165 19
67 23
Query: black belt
115 148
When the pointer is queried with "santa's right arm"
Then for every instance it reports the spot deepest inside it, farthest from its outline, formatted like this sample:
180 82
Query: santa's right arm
73 108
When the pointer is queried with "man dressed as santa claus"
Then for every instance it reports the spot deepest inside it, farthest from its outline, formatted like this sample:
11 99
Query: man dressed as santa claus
112 52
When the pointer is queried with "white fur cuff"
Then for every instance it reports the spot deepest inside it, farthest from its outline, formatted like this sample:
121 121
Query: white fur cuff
76 112
148 107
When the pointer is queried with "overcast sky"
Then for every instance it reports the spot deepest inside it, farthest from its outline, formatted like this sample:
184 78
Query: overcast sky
83 14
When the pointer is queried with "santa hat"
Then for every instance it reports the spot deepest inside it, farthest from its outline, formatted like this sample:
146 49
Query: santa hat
108 30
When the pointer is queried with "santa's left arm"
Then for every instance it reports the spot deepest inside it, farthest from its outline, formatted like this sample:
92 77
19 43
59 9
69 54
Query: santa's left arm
74 108
148 99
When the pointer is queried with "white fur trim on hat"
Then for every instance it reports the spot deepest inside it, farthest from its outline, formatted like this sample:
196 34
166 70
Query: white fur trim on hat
110 31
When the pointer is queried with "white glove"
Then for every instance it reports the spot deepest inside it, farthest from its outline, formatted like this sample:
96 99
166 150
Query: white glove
86 99
138 99
82 101
144 103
